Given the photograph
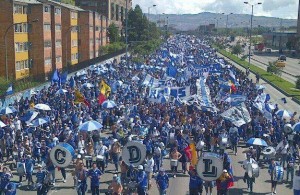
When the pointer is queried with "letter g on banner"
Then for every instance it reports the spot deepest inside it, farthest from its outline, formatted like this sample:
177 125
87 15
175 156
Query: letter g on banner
134 153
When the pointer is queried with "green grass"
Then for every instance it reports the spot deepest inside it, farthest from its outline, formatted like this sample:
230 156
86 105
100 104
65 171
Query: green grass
286 86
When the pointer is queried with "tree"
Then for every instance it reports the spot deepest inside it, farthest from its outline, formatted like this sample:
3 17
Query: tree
113 33
237 49
272 68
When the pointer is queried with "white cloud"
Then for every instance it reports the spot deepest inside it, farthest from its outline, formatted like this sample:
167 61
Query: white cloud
274 8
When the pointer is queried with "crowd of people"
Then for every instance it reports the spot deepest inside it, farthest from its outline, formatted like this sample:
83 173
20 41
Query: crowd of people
166 128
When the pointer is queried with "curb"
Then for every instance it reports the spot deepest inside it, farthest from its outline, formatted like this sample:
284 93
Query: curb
270 83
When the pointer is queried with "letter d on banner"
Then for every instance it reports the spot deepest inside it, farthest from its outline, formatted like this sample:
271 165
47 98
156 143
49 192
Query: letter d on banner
134 153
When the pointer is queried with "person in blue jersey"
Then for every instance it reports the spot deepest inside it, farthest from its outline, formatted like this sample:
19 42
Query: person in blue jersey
81 175
271 172
29 164
4 180
162 181
40 181
196 183
291 161
95 174
142 181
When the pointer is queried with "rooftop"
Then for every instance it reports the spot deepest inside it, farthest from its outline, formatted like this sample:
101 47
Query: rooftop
28 1
65 5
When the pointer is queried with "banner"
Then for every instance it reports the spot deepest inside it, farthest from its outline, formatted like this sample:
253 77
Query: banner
238 115
198 70
236 100
153 82
180 91
203 95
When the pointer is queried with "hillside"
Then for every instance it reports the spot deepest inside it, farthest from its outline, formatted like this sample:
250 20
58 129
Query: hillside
192 21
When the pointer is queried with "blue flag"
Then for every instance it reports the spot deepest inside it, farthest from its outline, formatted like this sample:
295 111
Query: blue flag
9 90
55 77
171 71
72 82
63 77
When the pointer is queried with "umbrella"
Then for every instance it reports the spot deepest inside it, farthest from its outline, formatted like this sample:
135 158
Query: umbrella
29 116
8 110
38 122
2 124
109 104
61 91
283 114
296 127
257 142
90 126
88 85
135 78
42 107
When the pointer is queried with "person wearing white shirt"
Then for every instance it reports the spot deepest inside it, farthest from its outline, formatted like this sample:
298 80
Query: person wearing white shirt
149 168
282 149
101 151
248 179
81 145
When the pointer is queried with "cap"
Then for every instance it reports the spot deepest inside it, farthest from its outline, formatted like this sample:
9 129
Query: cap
78 156
39 166
251 147
115 176
224 171
140 167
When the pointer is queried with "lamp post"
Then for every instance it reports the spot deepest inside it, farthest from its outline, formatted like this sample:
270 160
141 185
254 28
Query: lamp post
250 33
5 42
227 15
149 11
126 33
69 29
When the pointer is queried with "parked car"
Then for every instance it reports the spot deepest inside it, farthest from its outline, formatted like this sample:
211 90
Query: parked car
282 57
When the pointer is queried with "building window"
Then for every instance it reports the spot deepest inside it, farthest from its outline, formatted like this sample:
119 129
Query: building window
74 56
92 28
46 9
57 11
48 61
20 9
21 65
58 43
91 55
57 27
91 41
74 15
21 28
74 43
47 27
21 46
47 44
58 59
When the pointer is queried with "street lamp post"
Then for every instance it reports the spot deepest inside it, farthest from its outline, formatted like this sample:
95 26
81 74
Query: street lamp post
5 42
126 33
227 16
149 11
250 33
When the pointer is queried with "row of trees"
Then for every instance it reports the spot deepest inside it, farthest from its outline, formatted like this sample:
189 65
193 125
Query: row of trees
143 35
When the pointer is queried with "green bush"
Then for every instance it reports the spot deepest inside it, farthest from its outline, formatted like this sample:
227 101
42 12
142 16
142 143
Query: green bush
298 82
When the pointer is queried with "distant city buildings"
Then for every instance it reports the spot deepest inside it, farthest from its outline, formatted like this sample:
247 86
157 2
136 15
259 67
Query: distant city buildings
39 36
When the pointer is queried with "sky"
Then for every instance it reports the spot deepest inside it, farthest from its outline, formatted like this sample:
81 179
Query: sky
275 8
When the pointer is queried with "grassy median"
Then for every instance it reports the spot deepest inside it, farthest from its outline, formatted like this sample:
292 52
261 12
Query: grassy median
287 87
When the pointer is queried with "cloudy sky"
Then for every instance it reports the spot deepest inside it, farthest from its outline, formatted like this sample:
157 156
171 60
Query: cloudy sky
274 8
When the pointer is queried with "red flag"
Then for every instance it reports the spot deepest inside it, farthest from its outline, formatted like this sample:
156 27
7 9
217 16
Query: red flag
233 88
188 153
101 98
86 103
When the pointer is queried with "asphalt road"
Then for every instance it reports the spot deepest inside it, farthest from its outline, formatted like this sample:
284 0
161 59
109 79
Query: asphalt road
179 185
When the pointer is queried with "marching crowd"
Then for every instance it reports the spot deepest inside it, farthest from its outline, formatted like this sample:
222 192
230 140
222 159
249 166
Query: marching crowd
165 128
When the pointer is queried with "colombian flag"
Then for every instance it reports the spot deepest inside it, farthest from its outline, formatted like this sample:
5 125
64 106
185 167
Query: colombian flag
105 88
79 98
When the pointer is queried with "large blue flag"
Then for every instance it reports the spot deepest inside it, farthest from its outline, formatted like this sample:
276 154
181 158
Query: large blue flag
63 77
10 90
55 77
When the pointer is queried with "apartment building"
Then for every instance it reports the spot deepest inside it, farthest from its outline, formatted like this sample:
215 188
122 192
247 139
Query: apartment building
14 38
113 10
43 35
